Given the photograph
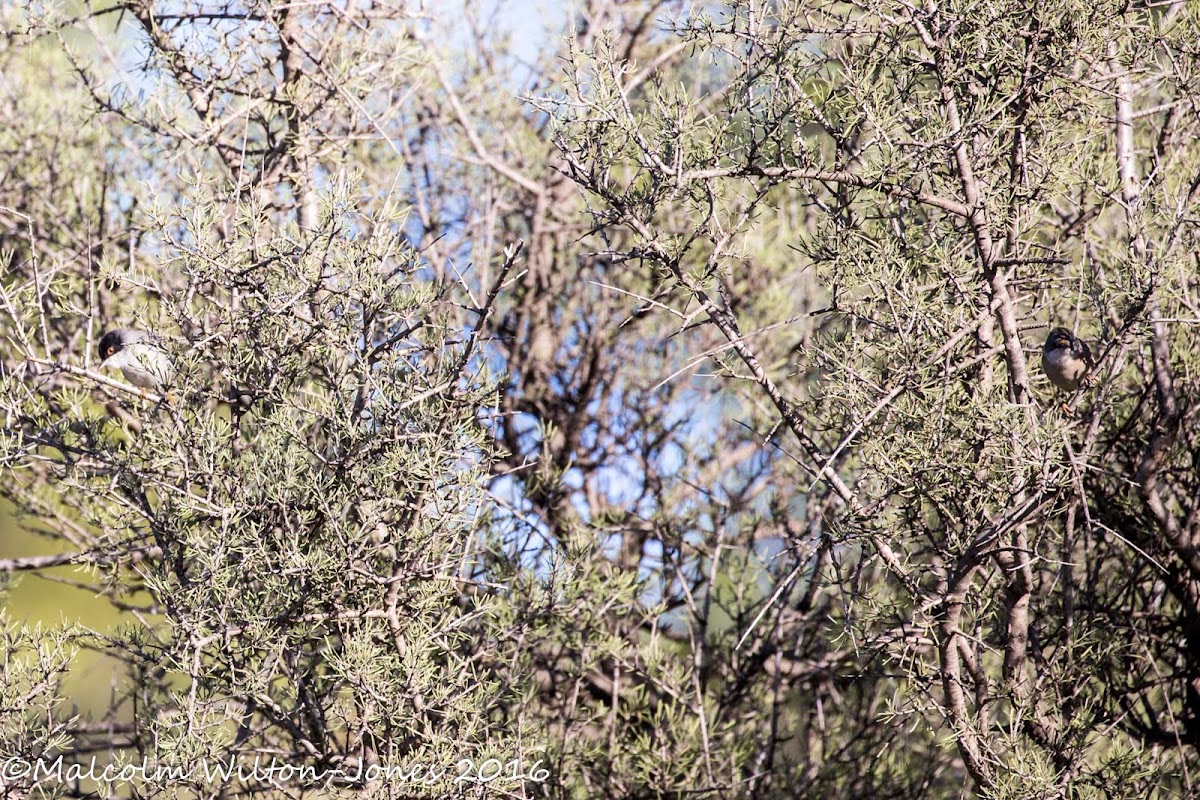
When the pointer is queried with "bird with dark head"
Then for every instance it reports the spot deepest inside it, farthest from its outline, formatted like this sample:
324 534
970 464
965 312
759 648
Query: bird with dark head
1067 360
140 357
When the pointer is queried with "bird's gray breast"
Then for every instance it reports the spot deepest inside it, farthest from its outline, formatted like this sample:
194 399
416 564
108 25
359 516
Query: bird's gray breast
145 365
1063 368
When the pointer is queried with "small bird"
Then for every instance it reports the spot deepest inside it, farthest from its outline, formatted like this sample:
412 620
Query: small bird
1067 360
140 357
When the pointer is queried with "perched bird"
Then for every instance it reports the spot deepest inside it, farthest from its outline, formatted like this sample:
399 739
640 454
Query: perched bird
1067 360
140 357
